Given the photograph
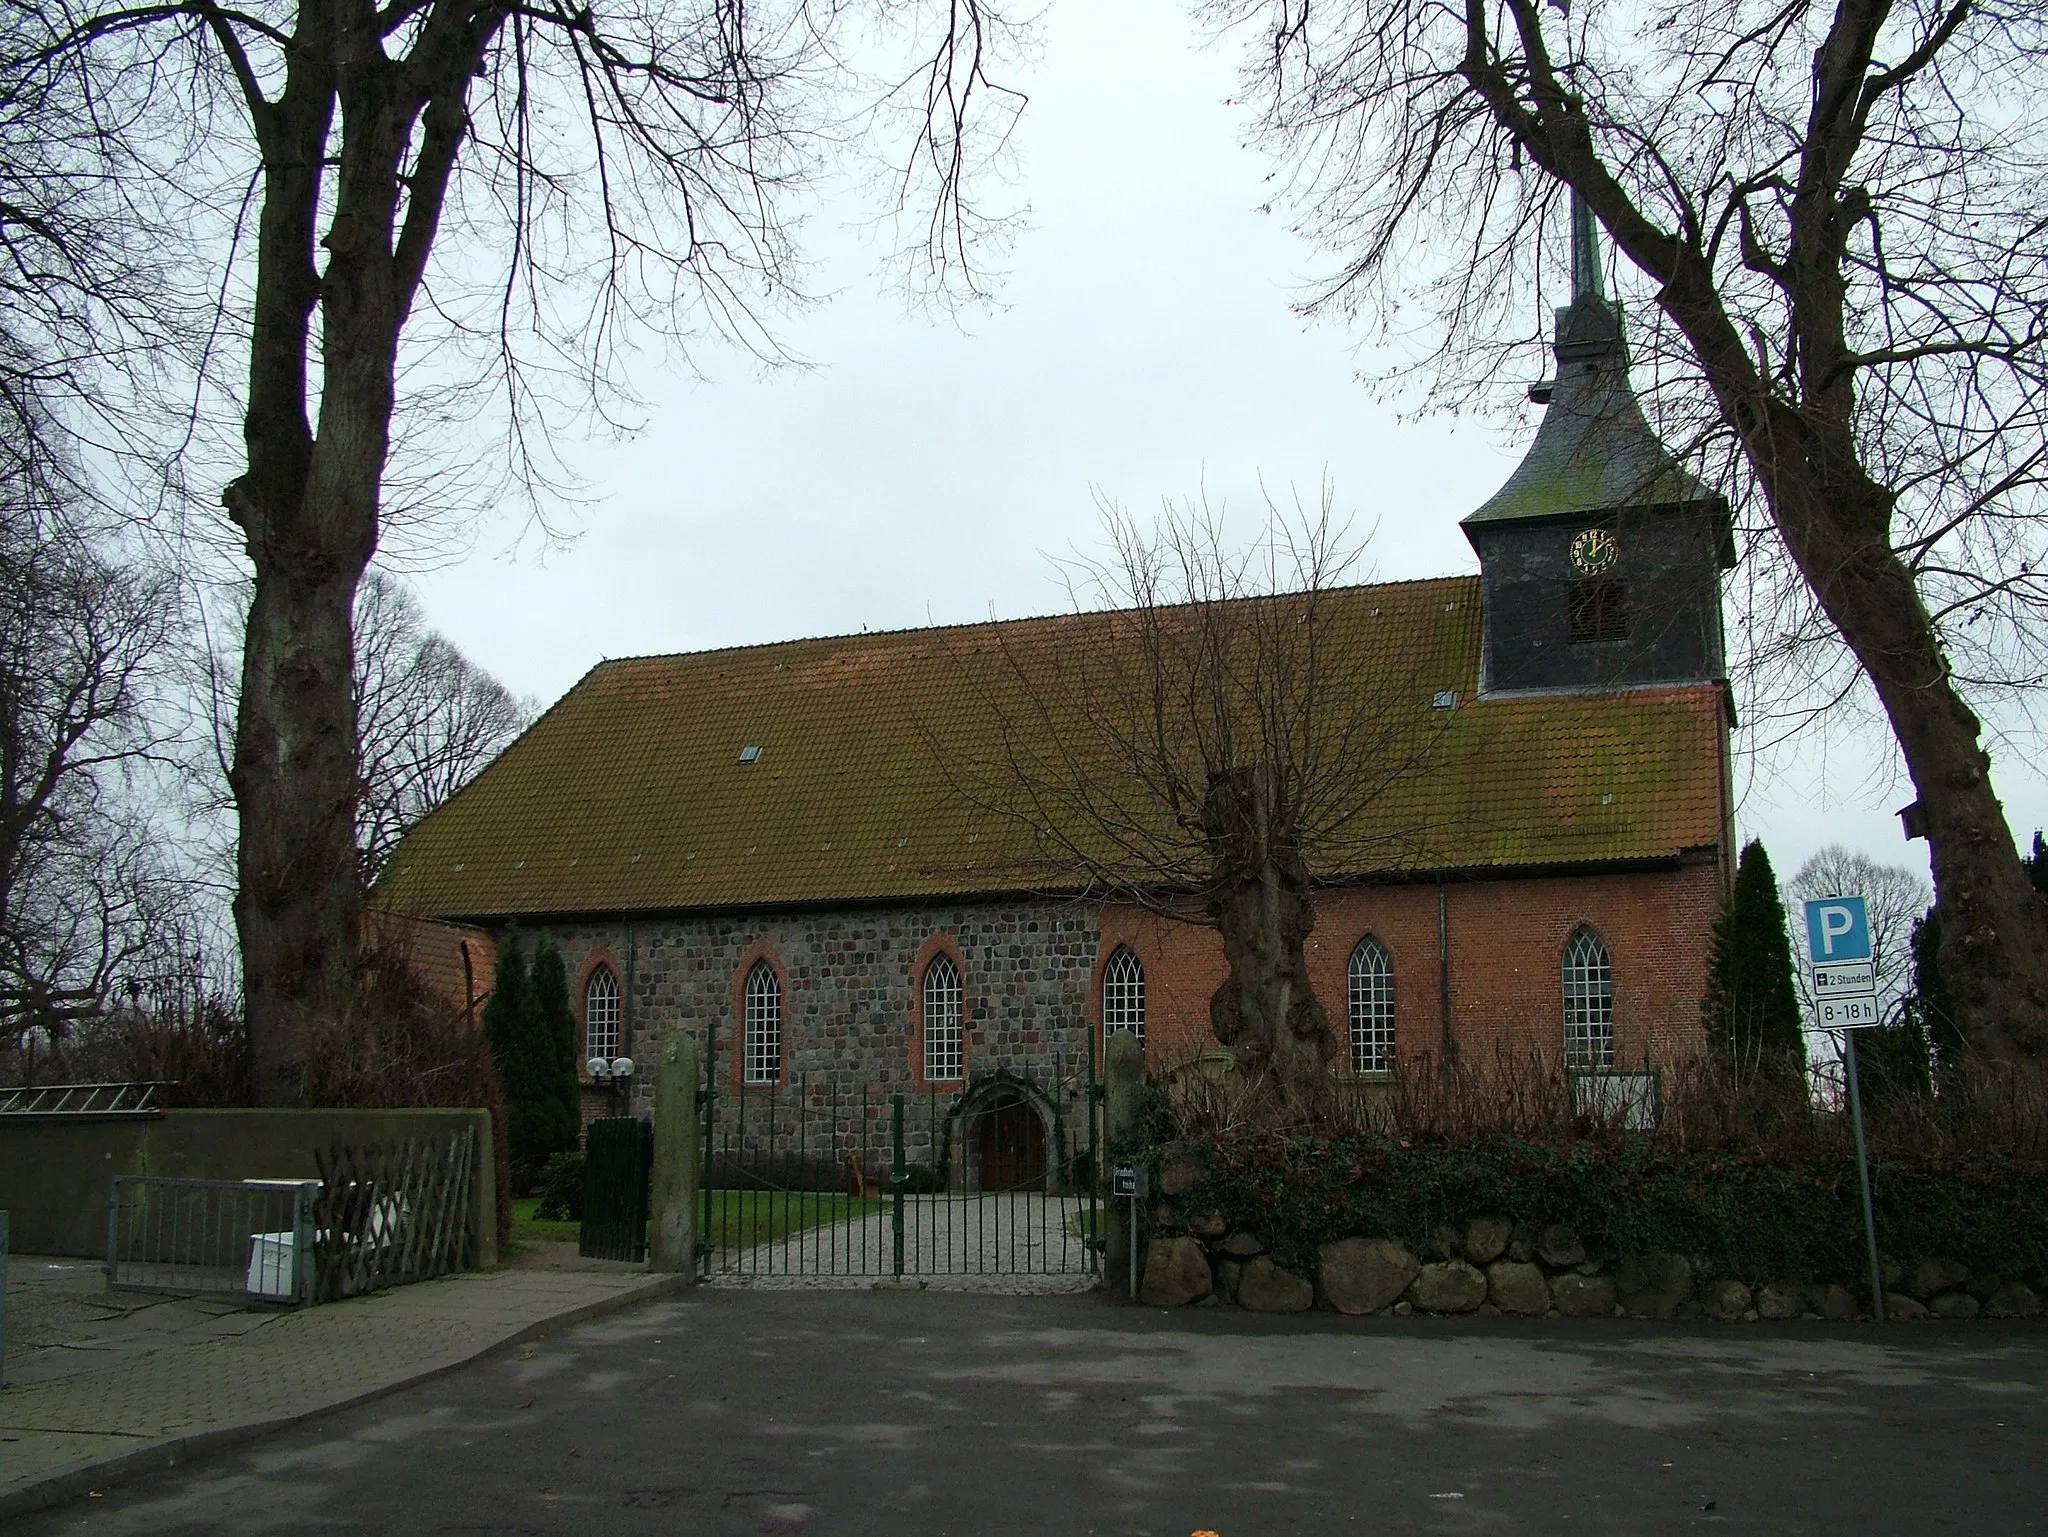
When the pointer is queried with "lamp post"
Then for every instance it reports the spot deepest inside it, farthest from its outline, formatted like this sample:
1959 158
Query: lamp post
616 1075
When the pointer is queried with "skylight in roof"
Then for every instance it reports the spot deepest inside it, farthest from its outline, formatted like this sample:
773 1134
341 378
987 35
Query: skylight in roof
750 754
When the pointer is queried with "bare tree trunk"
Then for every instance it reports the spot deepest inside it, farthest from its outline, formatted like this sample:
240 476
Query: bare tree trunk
1836 522
1265 1012
308 502
1994 942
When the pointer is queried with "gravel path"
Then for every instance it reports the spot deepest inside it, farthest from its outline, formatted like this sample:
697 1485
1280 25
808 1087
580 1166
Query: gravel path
1015 1243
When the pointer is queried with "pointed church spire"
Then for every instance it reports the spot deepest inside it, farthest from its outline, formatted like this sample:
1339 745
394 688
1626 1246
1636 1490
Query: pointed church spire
1586 278
1593 450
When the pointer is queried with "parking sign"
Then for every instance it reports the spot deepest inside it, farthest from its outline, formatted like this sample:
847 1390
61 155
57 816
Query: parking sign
1839 963
1837 930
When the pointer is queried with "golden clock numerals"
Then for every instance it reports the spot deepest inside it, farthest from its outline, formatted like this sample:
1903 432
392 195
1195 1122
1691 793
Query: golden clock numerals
1593 551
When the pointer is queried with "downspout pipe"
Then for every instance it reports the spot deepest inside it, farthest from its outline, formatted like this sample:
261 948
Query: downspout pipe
1443 970
627 1043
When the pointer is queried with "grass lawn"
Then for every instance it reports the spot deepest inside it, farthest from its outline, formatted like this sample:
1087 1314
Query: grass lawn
743 1217
525 1229
738 1217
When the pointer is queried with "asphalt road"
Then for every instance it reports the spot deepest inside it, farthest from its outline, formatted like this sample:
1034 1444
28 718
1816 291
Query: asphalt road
847 1413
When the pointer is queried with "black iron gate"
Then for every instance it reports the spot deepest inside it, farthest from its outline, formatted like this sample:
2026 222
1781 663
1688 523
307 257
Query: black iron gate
816 1178
618 1159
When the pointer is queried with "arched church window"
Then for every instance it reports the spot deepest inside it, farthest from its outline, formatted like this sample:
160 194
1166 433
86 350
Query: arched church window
1123 995
601 1014
763 1061
1588 1004
1372 1007
945 1054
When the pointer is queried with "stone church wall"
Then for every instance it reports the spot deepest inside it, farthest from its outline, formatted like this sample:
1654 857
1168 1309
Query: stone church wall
1031 974
850 984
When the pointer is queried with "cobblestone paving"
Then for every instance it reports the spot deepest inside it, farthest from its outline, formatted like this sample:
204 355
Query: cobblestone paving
1013 1243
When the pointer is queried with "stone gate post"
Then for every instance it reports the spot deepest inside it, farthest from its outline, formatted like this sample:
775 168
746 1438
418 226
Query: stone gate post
678 1144
1123 1075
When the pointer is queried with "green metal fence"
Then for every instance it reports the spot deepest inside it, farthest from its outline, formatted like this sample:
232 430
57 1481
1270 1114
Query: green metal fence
618 1156
817 1178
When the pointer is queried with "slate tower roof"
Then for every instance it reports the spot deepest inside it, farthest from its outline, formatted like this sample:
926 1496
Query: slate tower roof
1594 451
1601 556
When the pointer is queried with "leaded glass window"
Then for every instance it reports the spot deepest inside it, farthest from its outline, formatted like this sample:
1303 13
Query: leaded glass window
1372 1008
1588 1004
945 1054
1123 995
601 1015
764 1024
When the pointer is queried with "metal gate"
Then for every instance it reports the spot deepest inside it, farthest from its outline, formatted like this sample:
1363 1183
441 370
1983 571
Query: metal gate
618 1159
813 1178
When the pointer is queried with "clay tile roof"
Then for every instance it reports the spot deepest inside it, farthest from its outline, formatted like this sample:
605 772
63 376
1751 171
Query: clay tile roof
630 793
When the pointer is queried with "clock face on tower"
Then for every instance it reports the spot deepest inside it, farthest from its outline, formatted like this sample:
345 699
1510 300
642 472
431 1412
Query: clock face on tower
1593 551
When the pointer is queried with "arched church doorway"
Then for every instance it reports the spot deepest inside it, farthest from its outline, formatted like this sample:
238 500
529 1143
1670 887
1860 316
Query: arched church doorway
1009 1143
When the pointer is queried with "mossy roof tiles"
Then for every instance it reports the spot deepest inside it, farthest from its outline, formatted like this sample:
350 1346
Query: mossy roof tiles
629 794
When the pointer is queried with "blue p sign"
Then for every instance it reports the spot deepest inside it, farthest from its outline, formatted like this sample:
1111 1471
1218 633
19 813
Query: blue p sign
1837 929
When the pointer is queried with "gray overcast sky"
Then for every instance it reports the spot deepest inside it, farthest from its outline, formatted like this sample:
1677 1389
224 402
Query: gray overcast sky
922 472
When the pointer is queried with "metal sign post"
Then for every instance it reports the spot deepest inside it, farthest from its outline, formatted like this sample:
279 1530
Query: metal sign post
1844 980
1130 1184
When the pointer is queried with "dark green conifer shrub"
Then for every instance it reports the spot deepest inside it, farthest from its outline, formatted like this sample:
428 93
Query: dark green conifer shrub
528 1024
1752 1005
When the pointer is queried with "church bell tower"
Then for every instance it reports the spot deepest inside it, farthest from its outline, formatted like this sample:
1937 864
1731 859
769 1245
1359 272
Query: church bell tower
1600 560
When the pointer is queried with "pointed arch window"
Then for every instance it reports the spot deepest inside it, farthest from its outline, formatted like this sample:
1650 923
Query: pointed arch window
1588 1004
945 1054
1372 1008
763 1061
1123 994
601 1014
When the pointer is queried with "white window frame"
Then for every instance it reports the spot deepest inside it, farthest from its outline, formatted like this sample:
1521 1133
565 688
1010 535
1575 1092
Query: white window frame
945 1037
1370 993
1123 994
763 1061
1588 1004
601 1014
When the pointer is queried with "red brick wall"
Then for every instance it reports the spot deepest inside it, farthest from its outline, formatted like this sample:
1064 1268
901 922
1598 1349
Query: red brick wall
1507 940
435 951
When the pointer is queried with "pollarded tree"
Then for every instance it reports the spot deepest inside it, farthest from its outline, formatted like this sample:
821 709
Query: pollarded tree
1223 741
1832 216
613 173
1752 1004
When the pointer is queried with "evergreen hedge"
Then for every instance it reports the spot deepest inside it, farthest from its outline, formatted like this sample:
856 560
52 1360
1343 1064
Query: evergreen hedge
1732 1215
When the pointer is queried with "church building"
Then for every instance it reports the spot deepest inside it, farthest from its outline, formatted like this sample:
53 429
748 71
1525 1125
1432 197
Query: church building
768 841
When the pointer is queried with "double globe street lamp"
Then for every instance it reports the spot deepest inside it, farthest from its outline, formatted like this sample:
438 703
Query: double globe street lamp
615 1074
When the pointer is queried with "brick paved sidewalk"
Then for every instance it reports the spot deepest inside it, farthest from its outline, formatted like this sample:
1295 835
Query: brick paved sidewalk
145 1383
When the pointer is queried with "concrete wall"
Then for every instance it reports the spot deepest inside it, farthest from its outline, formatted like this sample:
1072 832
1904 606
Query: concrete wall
55 1175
